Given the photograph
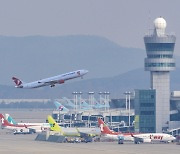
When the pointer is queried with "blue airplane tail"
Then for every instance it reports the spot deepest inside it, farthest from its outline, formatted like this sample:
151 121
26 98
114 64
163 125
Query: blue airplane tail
60 107
68 103
103 105
10 119
85 105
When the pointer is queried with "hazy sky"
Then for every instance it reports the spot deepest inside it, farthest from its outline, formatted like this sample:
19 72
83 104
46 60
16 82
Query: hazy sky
122 21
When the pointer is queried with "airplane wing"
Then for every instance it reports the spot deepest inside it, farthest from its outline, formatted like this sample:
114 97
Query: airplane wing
86 136
82 134
52 82
138 140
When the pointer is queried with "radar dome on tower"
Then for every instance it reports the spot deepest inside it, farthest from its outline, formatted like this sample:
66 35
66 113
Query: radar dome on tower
160 25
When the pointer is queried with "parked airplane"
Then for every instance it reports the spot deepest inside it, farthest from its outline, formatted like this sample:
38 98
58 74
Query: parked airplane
55 127
86 137
59 79
110 134
9 123
60 107
69 104
17 129
72 132
10 119
97 105
153 137
82 105
137 138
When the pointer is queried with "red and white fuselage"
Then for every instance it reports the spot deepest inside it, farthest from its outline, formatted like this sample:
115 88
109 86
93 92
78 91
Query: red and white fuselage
143 137
154 137
59 79
23 127
110 134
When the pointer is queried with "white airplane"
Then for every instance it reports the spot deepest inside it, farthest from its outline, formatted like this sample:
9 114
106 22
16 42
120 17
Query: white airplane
59 79
7 122
153 137
106 133
73 132
137 138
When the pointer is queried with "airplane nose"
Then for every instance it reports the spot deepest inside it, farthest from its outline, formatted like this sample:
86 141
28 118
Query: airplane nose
86 71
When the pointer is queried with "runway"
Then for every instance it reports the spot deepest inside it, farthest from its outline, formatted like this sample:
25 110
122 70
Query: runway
25 144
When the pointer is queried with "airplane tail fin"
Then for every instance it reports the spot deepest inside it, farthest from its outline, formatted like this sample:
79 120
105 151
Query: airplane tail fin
77 130
60 107
53 125
4 122
85 105
17 81
103 127
10 119
68 102
132 135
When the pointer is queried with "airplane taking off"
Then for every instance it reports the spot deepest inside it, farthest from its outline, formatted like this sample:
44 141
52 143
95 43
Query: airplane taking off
59 79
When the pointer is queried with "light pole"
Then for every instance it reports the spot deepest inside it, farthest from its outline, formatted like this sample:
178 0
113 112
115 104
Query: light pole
129 108
126 93
75 100
75 106
128 101
80 99
107 103
74 93
106 97
91 98
100 97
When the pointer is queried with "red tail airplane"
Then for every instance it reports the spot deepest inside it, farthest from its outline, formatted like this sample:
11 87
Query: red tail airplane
110 134
20 128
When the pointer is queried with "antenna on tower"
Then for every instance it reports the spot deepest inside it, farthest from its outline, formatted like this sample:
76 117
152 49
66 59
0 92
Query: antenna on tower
149 21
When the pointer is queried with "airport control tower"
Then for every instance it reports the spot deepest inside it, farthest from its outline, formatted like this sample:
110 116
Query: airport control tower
160 61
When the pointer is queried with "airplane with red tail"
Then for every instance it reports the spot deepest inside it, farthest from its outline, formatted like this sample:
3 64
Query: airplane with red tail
112 135
137 138
51 81
20 128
